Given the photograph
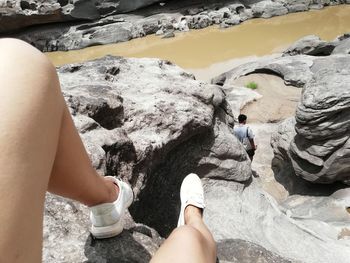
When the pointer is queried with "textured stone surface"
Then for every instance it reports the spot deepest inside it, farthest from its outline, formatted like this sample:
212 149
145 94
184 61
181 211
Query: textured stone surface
18 14
149 121
300 229
321 148
240 251
343 47
294 70
67 238
310 45
268 9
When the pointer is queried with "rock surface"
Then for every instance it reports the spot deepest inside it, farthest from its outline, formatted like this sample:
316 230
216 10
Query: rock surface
310 45
320 149
298 229
18 14
267 9
150 123
302 218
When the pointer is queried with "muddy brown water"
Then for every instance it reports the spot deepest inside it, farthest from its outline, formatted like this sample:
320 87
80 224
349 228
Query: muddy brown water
199 50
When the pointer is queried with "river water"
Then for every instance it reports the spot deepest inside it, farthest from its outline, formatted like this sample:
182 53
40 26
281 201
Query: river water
210 51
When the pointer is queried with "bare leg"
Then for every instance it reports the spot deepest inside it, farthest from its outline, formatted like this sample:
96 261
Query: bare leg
37 140
191 243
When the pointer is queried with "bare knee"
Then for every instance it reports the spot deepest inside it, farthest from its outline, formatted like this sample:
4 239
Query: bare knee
188 234
22 60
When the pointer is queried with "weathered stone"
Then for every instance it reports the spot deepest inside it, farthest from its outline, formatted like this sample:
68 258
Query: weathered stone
284 229
343 47
296 5
200 21
67 238
294 70
321 148
268 9
169 34
149 121
241 251
233 20
246 14
19 14
310 45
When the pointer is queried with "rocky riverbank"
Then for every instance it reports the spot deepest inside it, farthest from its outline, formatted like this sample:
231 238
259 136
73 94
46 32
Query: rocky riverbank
295 178
151 123
66 25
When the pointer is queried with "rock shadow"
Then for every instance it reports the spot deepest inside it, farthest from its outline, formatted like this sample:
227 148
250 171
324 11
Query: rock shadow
123 249
298 186
158 204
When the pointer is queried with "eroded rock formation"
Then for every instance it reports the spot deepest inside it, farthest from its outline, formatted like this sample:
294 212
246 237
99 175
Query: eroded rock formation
18 14
320 149
150 123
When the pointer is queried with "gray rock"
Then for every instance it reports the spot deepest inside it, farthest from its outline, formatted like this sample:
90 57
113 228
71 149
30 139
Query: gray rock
200 21
236 8
159 32
296 5
169 34
319 152
67 238
268 9
321 148
241 251
284 229
280 142
149 121
294 70
216 16
310 45
233 20
246 14
343 47
19 14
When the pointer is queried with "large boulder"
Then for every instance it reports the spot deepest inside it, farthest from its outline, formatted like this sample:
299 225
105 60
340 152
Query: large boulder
18 14
310 45
294 71
151 123
343 47
301 229
268 9
321 148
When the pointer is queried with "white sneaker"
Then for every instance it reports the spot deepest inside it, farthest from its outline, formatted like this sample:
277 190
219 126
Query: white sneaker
107 219
191 193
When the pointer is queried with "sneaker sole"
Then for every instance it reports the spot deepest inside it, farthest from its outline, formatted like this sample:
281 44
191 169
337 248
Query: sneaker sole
107 231
101 232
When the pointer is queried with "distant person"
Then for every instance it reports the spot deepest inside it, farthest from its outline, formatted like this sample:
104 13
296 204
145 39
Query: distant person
245 135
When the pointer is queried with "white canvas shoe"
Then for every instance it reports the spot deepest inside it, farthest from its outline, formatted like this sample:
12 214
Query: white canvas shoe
191 193
107 219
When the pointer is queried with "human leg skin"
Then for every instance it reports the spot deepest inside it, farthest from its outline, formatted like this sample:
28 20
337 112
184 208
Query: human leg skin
35 130
192 243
